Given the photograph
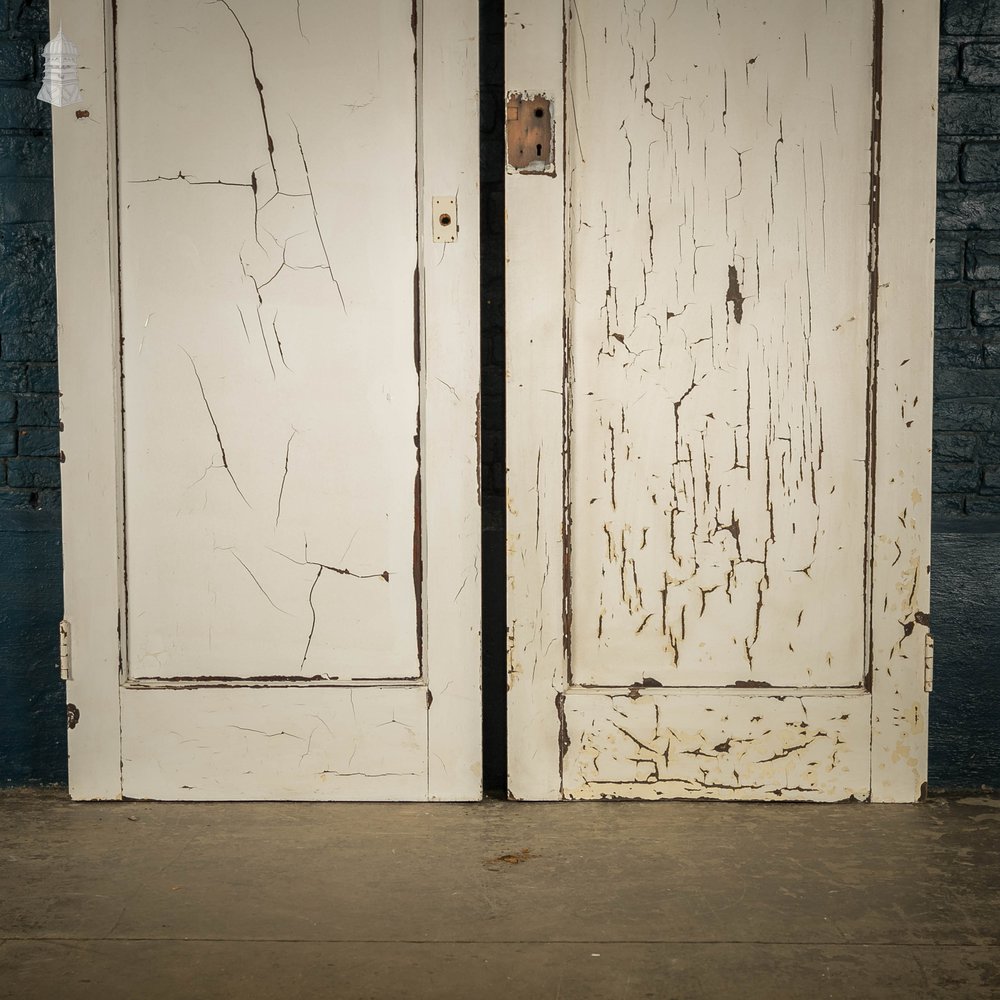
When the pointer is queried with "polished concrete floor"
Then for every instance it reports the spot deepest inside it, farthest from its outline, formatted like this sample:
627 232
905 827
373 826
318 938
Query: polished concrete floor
612 901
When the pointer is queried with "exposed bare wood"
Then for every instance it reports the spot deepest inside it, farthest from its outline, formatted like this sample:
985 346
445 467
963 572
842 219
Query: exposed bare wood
712 745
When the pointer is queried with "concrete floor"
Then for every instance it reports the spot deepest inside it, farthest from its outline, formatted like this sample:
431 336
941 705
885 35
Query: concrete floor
612 901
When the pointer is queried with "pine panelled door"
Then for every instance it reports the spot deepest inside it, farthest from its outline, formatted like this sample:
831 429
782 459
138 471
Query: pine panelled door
270 376
719 240
719 301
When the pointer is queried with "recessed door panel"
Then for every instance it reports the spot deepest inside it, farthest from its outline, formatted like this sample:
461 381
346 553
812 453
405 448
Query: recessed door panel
718 342
271 388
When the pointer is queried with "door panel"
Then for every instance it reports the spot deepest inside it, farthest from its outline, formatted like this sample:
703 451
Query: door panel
702 745
296 743
295 448
717 309
271 392
698 580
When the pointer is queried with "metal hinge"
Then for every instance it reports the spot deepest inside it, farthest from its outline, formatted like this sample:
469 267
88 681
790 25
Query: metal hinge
64 664
929 662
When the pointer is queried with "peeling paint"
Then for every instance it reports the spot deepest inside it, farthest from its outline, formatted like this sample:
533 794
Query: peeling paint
719 398
704 746
530 136
718 414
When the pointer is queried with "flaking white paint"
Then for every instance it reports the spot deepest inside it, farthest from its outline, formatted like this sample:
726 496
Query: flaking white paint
712 486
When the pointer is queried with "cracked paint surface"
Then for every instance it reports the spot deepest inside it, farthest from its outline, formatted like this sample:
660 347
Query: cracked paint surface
364 742
718 342
270 385
717 512
696 746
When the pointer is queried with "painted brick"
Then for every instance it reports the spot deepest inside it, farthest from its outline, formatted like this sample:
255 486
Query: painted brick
959 447
957 349
13 377
991 480
981 162
952 308
947 162
965 726
38 344
969 113
38 411
19 108
32 473
41 442
982 260
986 307
955 477
948 260
967 210
8 409
970 17
942 505
981 64
948 62
8 440
988 448
966 414
968 383
28 156
43 378
28 200
30 17
17 60
19 501
27 277
978 506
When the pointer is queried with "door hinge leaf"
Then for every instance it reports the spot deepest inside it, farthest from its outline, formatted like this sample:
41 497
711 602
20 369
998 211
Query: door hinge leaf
64 650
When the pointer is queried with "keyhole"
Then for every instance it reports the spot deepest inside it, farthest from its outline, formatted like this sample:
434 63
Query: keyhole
444 219
538 150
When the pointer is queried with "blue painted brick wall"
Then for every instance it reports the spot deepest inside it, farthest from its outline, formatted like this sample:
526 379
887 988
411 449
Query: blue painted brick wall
967 308
965 583
32 712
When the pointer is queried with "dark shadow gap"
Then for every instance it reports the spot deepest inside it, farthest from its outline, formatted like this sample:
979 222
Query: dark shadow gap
492 402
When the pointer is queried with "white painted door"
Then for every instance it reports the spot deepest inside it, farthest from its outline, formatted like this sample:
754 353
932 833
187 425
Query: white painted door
285 521
719 292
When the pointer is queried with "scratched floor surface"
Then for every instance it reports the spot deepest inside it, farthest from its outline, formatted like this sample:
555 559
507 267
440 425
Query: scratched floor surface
579 900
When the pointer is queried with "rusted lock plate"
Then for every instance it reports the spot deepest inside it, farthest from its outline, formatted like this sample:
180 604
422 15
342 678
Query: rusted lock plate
529 134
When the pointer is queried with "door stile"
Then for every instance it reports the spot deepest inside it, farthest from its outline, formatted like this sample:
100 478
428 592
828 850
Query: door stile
536 399
902 475
448 131
90 412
